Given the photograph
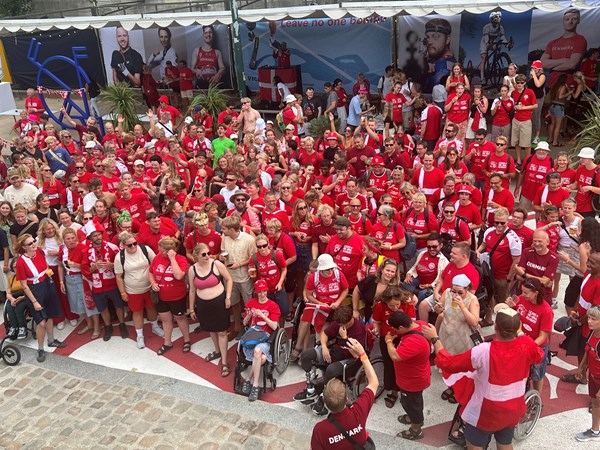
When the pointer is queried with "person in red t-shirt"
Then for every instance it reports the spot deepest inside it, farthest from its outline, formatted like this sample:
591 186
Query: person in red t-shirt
346 249
428 178
500 162
395 100
457 110
501 108
468 209
186 77
519 216
478 154
155 228
389 232
586 179
202 234
431 123
496 197
33 103
540 263
525 103
419 221
536 322
413 372
534 174
167 277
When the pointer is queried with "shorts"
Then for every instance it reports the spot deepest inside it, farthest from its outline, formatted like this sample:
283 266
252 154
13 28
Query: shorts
187 94
137 302
593 385
316 316
470 132
557 110
521 133
280 297
480 438
101 299
412 402
503 130
303 257
175 307
242 290
430 301
538 371
264 347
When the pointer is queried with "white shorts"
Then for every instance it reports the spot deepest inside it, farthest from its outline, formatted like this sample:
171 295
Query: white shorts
187 94
470 133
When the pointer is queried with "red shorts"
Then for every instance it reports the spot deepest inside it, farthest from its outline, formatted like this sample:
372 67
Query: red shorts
137 302
593 385
315 316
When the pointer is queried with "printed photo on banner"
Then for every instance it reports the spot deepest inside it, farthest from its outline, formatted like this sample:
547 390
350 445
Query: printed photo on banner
490 42
428 47
562 39
325 49
203 49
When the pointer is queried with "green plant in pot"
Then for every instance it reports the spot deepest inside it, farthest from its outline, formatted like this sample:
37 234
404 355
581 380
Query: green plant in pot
122 101
318 126
214 100
589 134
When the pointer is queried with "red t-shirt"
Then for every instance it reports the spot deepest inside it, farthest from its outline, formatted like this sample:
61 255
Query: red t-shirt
459 112
171 289
134 205
536 171
322 230
328 289
470 212
382 312
151 239
421 223
502 258
343 200
361 225
527 99
212 239
379 182
269 309
347 254
413 372
590 295
567 176
186 76
433 116
593 356
269 270
285 244
479 155
562 48
464 233
553 197
501 164
525 235
450 271
501 117
397 100
428 182
280 215
540 266
427 268
395 233
503 198
534 318
584 177
23 272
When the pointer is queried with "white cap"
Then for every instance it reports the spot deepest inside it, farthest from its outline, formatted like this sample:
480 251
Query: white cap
326 262
233 136
587 152
542 145
189 119
291 98
90 144
461 280
151 144
139 162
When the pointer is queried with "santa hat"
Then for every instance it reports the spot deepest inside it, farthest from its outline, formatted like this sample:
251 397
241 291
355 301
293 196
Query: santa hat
92 227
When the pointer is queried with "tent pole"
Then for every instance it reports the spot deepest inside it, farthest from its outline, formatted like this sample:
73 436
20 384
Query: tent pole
238 59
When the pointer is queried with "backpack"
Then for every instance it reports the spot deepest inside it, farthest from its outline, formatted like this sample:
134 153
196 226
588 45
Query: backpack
595 197
486 289
410 249
122 256
336 274
253 336
273 257
279 119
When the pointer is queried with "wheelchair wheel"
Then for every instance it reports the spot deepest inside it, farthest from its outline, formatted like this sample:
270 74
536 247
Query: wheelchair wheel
11 355
360 379
526 425
281 353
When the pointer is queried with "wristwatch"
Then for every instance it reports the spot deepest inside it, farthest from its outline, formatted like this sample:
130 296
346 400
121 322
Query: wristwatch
434 339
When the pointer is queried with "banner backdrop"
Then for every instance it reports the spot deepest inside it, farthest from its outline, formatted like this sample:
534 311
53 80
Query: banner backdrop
325 48
156 46
24 72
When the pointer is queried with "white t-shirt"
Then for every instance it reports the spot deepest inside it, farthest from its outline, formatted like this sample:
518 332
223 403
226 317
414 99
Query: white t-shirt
25 195
136 270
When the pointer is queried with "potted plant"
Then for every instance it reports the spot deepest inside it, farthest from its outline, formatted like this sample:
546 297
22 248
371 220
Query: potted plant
589 133
122 101
318 126
214 100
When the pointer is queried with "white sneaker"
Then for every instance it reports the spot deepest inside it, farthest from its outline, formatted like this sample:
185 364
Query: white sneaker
73 322
140 342
61 326
536 140
554 303
158 330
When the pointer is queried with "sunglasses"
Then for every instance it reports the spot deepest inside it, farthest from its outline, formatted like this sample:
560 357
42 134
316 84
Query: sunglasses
262 246
205 254
317 188
29 244
230 179
85 219
133 244
301 208
285 187
381 214
432 247
354 206
449 131
389 145
519 82
496 222
449 212
80 167
74 181
240 200
500 144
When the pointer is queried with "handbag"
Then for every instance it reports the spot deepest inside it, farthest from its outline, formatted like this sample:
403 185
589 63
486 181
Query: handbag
369 445
476 335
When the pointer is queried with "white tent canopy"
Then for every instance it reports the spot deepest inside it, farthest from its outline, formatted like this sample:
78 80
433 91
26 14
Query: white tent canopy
334 11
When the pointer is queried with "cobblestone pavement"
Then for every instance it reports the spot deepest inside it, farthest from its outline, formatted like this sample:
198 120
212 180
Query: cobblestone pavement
46 409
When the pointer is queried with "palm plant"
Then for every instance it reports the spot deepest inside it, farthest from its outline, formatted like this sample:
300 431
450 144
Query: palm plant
122 101
589 134
318 126
214 100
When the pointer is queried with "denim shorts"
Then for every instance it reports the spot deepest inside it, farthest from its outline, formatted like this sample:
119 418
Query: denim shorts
538 371
557 110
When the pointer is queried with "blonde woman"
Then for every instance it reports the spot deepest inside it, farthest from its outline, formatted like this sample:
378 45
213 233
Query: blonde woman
48 184
49 241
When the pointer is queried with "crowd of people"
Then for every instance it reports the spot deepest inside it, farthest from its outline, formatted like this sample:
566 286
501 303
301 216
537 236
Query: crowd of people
378 231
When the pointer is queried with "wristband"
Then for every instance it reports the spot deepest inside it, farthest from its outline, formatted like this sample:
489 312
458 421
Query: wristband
362 354
388 340
364 358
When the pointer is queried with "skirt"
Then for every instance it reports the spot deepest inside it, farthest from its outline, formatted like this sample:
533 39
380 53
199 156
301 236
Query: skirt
45 293
75 295
212 314
563 267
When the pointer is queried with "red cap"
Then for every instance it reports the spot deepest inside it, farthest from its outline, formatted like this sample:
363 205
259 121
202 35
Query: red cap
377 161
163 98
218 198
260 285
331 135
466 188
537 64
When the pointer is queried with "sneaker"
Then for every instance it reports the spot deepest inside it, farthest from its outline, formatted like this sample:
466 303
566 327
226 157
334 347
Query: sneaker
73 322
41 357
246 387
12 333
60 326
536 140
108 331
140 342
253 396
554 303
588 435
305 397
57 344
157 330
319 408
123 330
22 333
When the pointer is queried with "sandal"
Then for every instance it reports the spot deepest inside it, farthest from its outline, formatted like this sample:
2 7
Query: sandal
85 330
458 437
187 346
211 356
225 371
411 434
164 349
404 419
289 317
571 378
295 355
95 334
448 395
390 399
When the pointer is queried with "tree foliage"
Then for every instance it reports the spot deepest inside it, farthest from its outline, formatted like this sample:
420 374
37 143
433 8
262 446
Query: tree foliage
11 8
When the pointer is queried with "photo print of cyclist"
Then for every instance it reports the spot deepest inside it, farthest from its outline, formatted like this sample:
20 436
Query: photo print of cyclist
493 34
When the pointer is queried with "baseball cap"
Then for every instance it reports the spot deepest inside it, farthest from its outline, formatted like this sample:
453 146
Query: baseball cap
290 127
331 135
90 144
377 161
218 198
139 162
260 285
537 64
163 98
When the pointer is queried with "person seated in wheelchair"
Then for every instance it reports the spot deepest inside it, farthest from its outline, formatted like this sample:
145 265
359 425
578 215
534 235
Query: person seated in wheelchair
261 314
15 306
334 356
324 292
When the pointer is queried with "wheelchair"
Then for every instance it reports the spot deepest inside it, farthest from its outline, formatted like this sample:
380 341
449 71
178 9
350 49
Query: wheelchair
30 325
279 343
